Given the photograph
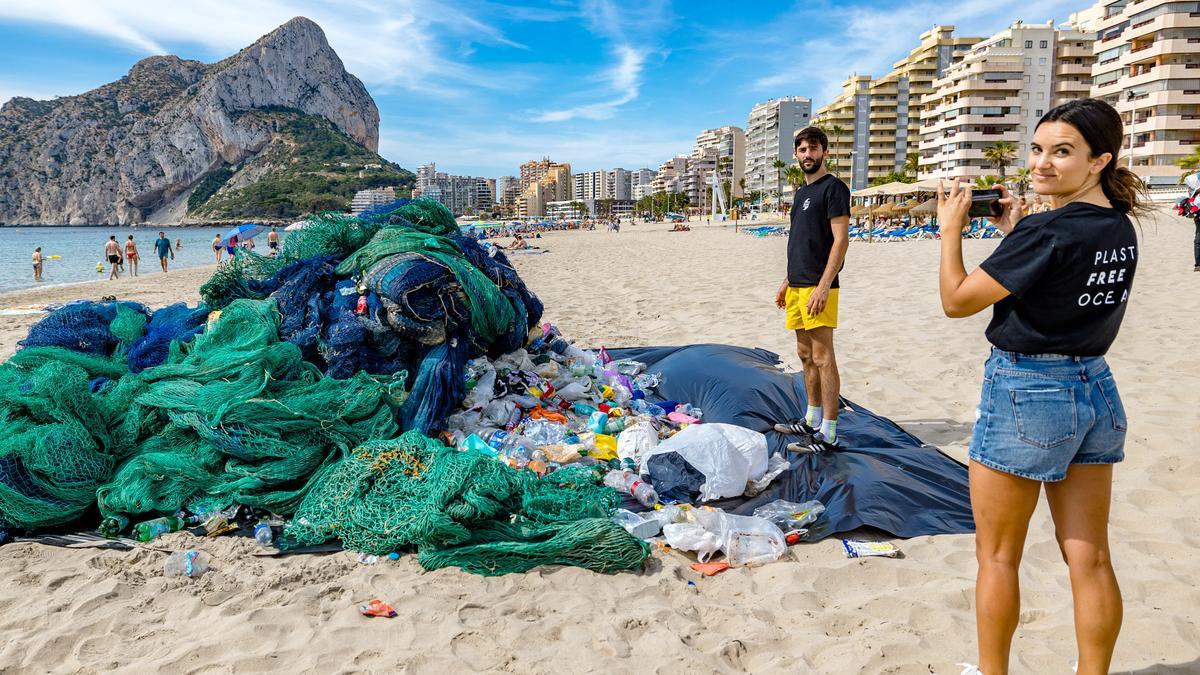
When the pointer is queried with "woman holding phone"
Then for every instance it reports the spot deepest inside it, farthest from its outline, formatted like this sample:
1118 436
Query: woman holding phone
1049 413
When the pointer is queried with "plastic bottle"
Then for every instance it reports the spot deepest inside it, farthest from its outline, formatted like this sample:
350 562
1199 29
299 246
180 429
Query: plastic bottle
598 421
186 564
631 483
152 529
263 534
113 525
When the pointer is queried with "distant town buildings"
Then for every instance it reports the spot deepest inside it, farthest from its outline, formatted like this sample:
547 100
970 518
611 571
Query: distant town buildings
463 195
365 199
640 183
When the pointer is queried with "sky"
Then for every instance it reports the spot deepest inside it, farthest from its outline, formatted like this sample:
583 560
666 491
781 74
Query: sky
480 86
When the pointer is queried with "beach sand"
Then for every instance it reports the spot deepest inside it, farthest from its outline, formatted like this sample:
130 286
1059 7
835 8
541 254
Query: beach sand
812 611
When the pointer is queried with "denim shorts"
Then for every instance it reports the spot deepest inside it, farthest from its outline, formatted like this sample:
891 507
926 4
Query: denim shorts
1041 413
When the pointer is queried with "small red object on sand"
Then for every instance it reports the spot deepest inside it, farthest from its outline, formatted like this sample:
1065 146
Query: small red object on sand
708 569
377 608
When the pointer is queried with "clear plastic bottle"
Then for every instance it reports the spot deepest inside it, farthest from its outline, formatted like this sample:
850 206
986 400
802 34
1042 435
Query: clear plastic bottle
152 529
186 564
631 483
263 534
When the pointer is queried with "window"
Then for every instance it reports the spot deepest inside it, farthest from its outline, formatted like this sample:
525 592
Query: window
1042 44
1038 113
1028 61
1041 79
1026 78
1041 95
1029 44
1025 95
1042 61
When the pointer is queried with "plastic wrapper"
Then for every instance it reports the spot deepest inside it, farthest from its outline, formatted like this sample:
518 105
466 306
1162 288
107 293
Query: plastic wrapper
692 537
746 540
856 548
791 516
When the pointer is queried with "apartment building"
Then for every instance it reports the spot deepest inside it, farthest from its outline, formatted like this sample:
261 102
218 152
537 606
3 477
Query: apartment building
696 180
878 121
996 92
589 185
508 188
1148 67
769 131
365 199
729 144
542 182
670 176
1074 57
640 183
618 184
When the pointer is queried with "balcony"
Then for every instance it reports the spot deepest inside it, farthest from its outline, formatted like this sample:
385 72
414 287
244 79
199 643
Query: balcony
1164 123
1084 69
1174 20
1072 52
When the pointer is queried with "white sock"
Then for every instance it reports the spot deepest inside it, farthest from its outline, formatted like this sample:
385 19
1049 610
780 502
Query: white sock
814 414
829 430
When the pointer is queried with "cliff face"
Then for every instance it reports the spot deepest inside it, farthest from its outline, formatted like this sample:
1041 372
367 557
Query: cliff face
119 153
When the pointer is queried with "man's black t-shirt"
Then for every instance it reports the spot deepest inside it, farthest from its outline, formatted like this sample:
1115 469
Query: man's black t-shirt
1069 272
810 238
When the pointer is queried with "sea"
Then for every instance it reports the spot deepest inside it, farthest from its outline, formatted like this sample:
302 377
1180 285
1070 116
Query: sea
81 248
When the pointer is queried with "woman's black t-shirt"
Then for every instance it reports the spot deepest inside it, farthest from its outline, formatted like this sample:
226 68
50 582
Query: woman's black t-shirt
1069 272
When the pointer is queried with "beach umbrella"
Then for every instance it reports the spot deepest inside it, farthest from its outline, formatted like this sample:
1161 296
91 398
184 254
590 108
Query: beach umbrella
243 232
859 210
904 207
927 207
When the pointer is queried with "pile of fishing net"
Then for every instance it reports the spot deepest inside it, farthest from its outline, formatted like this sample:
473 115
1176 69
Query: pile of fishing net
464 509
286 391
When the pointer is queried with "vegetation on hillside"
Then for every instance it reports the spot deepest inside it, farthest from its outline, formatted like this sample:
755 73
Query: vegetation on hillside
308 166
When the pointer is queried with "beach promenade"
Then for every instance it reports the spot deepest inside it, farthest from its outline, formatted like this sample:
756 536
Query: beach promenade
812 611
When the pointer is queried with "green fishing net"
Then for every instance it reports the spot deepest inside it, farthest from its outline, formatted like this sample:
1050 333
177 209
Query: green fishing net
463 509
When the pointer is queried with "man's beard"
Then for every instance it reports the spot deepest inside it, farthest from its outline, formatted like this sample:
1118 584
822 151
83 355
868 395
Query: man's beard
817 164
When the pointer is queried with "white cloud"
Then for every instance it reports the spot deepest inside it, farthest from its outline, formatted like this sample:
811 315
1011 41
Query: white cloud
400 44
624 27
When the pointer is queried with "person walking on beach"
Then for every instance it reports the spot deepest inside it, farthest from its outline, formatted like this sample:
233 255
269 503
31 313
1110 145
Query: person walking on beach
37 263
112 251
1050 414
816 249
163 246
216 244
131 253
273 242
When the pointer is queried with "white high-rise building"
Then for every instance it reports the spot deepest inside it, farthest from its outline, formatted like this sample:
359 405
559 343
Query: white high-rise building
729 144
589 185
640 183
1148 67
618 184
997 92
769 133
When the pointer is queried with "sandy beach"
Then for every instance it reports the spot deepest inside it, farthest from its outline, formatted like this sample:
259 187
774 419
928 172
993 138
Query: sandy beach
812 611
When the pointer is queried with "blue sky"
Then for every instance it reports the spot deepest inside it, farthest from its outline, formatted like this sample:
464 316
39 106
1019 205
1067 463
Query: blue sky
480 86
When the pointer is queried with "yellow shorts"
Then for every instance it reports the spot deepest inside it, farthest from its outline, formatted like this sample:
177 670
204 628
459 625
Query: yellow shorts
798 317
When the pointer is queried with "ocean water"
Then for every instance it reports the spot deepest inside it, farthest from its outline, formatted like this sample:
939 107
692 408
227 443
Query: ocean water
82 247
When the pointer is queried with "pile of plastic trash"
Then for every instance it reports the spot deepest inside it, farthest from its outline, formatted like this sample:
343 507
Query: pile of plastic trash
552 405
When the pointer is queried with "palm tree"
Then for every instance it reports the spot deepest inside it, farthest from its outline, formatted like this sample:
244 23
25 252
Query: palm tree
779 165
1023 180
912 164
1000 154
985 182
794 175
1189 164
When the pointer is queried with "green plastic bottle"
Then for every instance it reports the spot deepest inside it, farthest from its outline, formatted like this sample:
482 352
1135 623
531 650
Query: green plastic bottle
113 525
152 529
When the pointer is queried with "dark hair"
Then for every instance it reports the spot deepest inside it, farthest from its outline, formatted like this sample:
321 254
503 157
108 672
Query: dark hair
1100 125
812 135
112 237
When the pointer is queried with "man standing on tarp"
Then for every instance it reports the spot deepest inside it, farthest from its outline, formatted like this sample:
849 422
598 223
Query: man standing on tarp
817 243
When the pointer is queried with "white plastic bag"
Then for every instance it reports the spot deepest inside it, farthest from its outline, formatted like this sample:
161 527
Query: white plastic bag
484 390
636 440
692 537
746 540
729 456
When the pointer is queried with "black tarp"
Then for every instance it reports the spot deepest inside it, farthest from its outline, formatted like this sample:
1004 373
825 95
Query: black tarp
883 478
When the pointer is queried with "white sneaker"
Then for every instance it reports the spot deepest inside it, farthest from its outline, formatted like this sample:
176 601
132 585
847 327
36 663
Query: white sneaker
968 669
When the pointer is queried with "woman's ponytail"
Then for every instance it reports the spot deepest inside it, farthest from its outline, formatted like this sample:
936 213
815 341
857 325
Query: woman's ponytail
1124 189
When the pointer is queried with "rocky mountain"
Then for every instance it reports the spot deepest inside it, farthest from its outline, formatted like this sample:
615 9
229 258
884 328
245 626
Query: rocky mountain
136 150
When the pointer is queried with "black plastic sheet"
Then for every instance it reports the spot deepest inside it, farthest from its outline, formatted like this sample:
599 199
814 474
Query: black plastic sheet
884 477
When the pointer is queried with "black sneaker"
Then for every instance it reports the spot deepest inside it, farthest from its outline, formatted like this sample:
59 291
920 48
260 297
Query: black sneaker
813 443
796 428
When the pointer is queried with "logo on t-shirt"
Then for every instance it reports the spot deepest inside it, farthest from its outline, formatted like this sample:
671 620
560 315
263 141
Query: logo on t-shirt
807 201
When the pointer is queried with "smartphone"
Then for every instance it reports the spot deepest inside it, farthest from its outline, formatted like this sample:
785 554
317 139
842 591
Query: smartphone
986 203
